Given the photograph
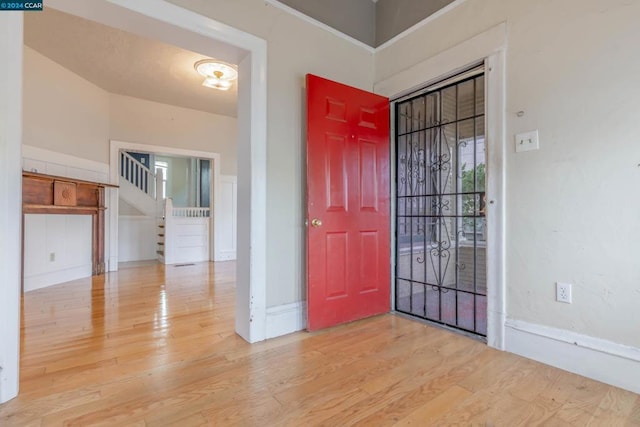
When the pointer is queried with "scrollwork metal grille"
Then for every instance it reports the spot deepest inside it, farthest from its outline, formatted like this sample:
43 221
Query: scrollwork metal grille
440 221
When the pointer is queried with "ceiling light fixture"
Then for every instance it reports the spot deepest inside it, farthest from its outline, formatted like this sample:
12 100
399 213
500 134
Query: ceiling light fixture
218 75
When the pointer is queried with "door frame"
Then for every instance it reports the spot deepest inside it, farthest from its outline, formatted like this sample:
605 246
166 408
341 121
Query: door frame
252 166
252 135
488 47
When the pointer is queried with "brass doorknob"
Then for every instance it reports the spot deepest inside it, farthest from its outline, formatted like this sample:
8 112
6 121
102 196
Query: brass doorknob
316 222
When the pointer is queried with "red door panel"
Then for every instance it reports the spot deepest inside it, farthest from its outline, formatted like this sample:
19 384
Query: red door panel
347 203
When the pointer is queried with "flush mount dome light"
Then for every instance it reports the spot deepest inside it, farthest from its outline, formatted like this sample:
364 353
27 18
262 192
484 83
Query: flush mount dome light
218 75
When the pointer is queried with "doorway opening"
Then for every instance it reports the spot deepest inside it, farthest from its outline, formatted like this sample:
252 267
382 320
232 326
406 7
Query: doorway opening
165 210
441 223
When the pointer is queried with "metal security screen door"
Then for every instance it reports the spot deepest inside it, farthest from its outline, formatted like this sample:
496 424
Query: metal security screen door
440 190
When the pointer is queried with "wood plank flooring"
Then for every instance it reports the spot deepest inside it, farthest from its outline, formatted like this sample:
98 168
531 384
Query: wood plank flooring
154 345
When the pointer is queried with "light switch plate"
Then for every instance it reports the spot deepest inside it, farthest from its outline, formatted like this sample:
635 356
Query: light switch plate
527 141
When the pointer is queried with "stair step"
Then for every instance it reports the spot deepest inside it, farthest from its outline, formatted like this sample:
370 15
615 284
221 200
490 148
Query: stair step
161 243
161 225
160 235
160 253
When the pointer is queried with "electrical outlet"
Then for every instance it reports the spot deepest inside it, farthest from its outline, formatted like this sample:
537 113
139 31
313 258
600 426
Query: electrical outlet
52 257
563 292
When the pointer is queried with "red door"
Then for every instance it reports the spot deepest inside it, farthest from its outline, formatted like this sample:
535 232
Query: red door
348 238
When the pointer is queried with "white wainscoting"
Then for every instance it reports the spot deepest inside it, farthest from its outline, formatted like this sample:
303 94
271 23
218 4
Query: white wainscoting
65 236
137 238
39 160
286 319
227 215
602 360
186 240
57 249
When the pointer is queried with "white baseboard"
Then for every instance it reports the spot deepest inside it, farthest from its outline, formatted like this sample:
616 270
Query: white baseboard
112 264
226 256
287 318
601 360
44 280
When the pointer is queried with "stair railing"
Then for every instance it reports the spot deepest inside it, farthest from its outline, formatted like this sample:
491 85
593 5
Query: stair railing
191 212
137 174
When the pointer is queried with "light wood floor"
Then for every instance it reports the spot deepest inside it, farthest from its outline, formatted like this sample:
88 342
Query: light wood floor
155 346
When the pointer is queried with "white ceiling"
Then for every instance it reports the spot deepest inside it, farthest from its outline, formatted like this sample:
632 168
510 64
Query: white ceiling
124 63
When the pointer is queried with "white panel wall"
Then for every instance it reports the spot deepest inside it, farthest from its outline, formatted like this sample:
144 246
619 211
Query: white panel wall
226 239
39 160
186 240
137 237
57 249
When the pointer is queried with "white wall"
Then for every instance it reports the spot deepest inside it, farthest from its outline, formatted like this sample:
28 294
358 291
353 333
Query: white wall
572 214
146 122
67 114
63 112
295 48
186 239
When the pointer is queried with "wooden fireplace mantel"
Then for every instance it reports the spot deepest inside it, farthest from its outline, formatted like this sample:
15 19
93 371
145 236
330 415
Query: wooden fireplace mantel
49 194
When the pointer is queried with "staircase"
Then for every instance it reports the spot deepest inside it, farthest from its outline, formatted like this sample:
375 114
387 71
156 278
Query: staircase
141 197
160 243
181 233
138 185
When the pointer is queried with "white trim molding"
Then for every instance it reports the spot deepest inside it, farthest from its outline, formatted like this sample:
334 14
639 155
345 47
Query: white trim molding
286 319
596 358
40 281
488 47
11 30
445 64
44 155
227 188
114 149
